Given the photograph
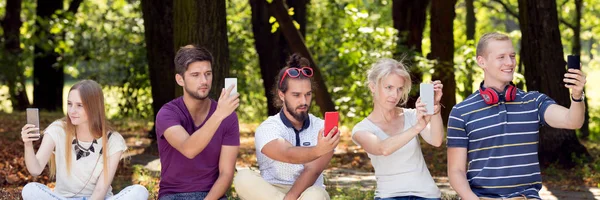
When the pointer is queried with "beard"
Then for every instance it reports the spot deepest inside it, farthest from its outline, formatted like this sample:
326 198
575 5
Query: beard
299 116
195 94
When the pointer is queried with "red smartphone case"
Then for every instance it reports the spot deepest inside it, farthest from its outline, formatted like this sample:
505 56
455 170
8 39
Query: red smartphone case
331 120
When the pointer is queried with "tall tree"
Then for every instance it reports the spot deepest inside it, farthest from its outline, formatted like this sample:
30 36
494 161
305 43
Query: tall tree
272 47
11 24
585 129
48 75
471 24
297 45
158 25
204 23
543 59
442 50
409 19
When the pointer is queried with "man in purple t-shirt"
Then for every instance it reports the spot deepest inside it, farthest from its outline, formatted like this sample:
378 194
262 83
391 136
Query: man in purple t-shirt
198 138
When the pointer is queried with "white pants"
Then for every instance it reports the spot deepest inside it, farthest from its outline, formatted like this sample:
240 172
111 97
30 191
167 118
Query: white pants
249 185
37 191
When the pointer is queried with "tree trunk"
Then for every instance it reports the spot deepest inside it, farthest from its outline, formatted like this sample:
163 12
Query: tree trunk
545 68
442 50
48 74
272 48
409 19
471 25
158 25
585 129
204 23
296 43
12 53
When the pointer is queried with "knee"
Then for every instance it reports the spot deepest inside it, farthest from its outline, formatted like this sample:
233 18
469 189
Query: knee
139 191
29 189
243 178
315 192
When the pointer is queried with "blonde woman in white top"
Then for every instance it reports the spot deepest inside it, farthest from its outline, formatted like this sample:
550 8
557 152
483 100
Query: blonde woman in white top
390 134
81 157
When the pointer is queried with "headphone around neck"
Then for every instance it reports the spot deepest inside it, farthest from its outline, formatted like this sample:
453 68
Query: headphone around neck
490 96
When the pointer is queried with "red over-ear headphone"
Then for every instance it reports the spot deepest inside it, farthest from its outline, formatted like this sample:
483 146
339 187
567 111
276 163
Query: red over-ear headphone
490 96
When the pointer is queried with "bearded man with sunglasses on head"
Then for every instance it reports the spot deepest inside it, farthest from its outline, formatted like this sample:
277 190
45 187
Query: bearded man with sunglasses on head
291 150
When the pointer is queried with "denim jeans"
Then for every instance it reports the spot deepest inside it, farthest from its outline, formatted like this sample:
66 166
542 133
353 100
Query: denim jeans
36 191
188 196
406 198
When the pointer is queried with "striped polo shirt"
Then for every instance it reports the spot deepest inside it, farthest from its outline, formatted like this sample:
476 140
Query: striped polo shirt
502 143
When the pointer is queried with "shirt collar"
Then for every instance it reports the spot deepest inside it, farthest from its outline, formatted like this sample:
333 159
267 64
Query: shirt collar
289 124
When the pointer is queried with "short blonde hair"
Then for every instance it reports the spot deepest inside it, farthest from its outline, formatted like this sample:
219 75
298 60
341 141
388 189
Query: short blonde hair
484 40
385 67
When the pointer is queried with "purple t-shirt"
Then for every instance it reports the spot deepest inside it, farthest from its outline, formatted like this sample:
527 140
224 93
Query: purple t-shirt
180 174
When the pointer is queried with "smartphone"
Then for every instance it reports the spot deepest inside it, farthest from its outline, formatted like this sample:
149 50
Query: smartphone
33 118
229 82
573 62
331 120
426 94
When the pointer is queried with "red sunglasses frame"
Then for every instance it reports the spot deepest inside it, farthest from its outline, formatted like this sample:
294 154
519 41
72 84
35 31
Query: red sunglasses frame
300 70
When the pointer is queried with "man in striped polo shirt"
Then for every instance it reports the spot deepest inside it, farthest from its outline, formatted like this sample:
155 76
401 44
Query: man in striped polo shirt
493 133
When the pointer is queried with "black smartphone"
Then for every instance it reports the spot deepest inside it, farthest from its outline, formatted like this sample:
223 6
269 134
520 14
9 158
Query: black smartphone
33 117
573 62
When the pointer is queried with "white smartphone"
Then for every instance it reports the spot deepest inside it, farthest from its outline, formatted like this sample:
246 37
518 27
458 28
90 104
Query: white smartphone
229 82
33 118
427 96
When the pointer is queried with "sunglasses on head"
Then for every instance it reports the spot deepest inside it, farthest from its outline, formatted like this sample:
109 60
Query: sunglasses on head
295 72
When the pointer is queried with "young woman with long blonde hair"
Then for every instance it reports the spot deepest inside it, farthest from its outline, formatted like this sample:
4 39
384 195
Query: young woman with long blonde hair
81 157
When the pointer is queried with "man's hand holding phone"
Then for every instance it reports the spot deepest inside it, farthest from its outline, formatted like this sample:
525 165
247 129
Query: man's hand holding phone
327 143
227 102
574 78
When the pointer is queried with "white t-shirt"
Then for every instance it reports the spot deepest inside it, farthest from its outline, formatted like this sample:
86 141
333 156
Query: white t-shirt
276 172
404 172
87 167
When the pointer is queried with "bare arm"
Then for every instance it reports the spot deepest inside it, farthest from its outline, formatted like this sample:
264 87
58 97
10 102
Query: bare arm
226 171
307 178
104 183
457 173
373 145
192 145
434 132
36 163
281 150
560 117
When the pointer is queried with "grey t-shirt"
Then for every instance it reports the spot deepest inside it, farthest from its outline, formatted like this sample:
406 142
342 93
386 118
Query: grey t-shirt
404 172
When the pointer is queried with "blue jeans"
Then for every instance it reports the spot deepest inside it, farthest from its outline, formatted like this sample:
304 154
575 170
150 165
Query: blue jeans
188 196
406 198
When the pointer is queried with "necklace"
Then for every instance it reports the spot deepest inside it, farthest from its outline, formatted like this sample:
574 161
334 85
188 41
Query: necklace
81 151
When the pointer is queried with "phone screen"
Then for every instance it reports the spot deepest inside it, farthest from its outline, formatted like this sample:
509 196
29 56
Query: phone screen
331 120
33 118
229 82
573 62
427 96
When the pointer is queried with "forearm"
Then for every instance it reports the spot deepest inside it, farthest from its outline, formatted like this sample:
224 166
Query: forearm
459 183
201 137
436 130
31 161
306 179
301 155
576 114
392 144
220 187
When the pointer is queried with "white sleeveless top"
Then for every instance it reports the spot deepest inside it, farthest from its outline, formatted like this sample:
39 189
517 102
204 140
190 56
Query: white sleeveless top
404 172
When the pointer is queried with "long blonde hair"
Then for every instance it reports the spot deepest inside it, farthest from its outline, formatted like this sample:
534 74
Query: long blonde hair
92 99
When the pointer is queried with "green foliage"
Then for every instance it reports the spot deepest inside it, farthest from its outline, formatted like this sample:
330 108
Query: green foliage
244 62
